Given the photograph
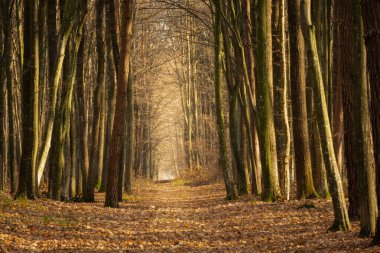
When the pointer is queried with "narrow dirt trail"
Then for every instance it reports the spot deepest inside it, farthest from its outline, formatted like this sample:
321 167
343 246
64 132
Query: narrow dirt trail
172 218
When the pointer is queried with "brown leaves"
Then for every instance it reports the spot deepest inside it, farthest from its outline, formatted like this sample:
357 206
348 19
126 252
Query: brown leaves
172 218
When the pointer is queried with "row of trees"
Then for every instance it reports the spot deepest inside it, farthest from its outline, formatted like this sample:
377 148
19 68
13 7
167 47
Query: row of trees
322 51
56 110
295 98
66 122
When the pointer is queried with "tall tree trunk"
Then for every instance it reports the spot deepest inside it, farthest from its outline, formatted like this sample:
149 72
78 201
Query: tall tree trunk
7 30
264 94
98 95
253 146
341 220
358 139
305 186
81 89
280 68
371 20
231 194
70 10
119 122
3 109
30 87
62 120
343 52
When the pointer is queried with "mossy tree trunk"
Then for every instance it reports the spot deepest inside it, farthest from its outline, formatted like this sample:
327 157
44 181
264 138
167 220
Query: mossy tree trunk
253 146
82 141
264 93
362 157
218 37
70 11
341 220
305 185
61 129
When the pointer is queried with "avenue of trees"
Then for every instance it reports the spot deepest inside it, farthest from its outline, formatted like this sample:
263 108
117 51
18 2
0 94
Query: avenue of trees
271 94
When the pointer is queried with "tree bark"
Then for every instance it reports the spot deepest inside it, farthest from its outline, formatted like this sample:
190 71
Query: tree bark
264 93
341 220
119 122
70 10
305 185
371 20
30 84
280 68
231 194
99 93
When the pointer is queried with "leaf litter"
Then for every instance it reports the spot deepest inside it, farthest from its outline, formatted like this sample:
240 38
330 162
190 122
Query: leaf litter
173 218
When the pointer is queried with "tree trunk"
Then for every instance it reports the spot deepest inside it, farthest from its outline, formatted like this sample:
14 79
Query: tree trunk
362 157
341 221
99 93
30 71
305 186
371 20
343 63
264 93
230 190
280 68
81 89
3 112
130 139
119 122
235 141
70 10
62 120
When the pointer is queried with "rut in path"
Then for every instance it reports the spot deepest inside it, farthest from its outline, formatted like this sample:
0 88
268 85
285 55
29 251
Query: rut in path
171 218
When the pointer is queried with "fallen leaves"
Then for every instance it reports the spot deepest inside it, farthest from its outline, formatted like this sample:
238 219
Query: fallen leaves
173 218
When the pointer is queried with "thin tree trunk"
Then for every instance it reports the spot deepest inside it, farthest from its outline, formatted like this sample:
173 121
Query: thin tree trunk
280 68
219 101
89 194
130 139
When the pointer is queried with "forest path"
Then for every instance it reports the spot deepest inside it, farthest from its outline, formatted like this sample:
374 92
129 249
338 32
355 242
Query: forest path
172 218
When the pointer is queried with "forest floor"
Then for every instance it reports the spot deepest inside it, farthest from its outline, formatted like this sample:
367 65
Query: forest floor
172 217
